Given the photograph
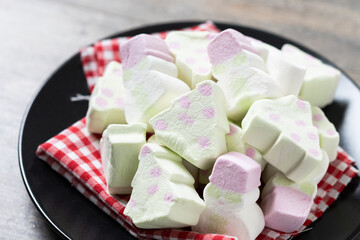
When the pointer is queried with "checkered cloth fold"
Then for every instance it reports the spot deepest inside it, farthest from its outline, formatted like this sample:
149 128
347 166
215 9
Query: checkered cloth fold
74 153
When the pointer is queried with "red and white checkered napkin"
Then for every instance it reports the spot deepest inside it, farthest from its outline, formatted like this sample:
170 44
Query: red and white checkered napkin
74 153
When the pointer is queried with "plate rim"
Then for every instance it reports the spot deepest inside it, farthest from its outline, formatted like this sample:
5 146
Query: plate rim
125 32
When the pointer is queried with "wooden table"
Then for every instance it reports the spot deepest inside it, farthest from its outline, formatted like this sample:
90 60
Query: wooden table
37 36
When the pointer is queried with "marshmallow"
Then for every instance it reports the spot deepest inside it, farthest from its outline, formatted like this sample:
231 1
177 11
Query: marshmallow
261 48
235 143
230 198
282 131
236 172
279 191
195 125
320 80
106 104
289 74
240 73
120 147
149 78
141 46
189 50
329 137
285 208
194 171
163 195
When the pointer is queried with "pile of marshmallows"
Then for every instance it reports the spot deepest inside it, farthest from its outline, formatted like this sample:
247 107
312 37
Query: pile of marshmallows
194 90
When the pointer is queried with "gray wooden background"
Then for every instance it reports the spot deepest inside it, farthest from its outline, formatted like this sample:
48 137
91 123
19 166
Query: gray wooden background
36 36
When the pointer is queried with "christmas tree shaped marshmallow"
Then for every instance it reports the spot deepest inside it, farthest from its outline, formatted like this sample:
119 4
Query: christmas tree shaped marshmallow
163 195
195 125
191 58
240 73
282 130
230 198
149 78
106 104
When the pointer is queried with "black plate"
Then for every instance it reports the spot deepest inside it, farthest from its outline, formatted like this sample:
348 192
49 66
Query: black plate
75 217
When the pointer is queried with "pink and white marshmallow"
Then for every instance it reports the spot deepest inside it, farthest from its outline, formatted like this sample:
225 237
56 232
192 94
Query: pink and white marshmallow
286 204
282 130
149 78
230 198
240 72
195 124
163 194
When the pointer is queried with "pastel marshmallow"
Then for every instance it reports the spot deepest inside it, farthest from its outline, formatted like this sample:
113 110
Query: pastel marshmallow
282 130
240 73
149 78
286 209
235 143
289 74
195 125
227 210
329 137
230 213
163 195
320 81
106 104
261 48
189 50
137 48
120 148
236 172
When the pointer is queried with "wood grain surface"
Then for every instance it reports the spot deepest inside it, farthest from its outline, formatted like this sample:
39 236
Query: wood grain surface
37 36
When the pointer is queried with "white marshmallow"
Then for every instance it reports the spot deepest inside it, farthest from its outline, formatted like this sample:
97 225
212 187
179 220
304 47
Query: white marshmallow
195 125
329 137
163 195
289 74
106 104
120 147
320 81
189 50
282 131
